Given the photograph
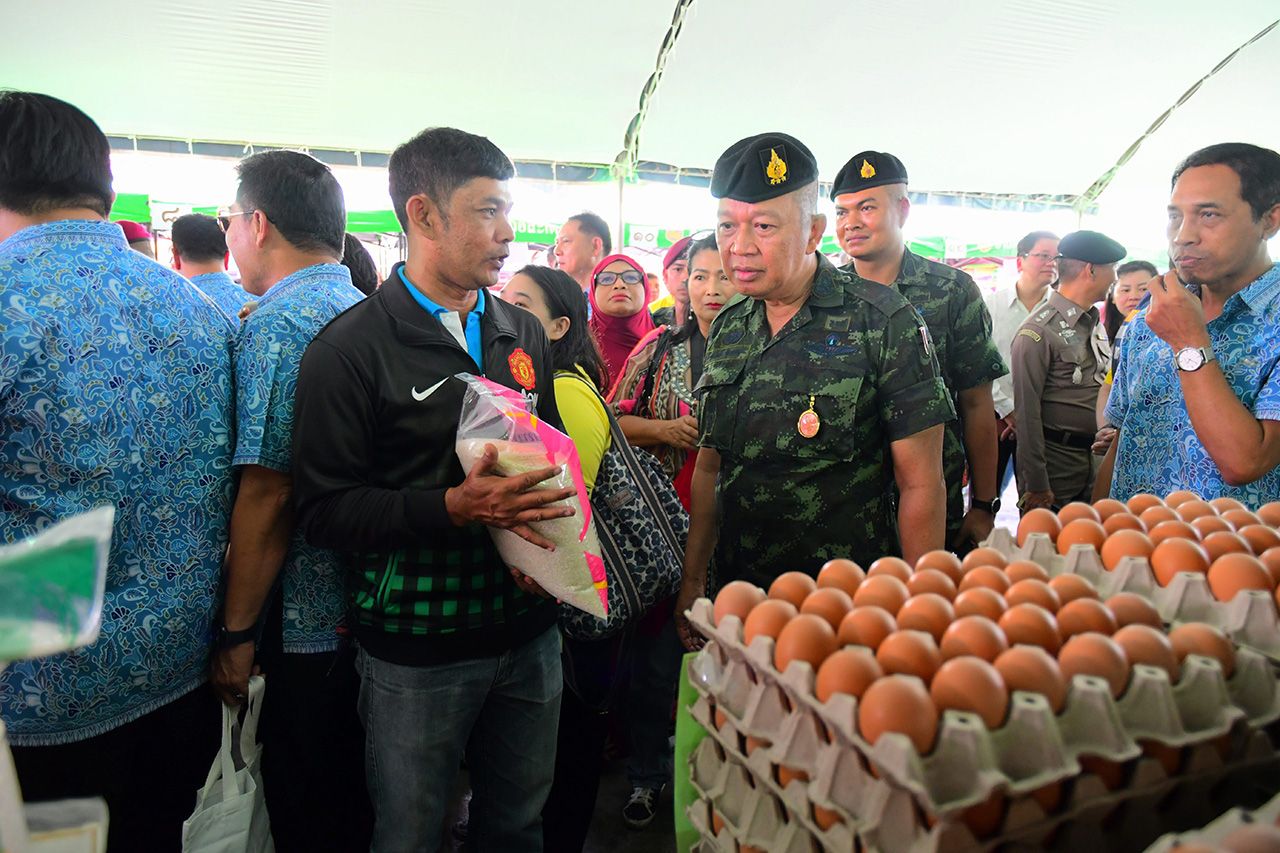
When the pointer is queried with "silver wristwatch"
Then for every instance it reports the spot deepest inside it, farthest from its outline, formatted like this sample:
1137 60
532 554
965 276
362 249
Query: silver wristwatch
1193 358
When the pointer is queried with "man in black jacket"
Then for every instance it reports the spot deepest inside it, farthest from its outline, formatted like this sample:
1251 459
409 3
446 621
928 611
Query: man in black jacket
458 652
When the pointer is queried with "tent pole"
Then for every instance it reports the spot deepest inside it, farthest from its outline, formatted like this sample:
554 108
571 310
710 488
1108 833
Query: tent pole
621 219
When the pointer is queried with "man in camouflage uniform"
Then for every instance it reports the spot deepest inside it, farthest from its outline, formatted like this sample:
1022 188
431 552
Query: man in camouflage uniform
870 193
820 392
1060 358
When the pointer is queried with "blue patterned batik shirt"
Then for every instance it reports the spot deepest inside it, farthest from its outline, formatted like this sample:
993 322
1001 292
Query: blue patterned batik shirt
268 353
1159 451
115 388
224 292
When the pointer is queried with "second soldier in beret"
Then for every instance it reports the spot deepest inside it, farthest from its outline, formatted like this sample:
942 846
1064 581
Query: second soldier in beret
870 194
819 395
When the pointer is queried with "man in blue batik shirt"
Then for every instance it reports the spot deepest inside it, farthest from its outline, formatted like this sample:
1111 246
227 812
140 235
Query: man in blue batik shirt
1197 389
200 254
115 388
286 232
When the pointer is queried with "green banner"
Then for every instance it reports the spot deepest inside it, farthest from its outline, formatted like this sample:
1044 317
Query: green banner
135 207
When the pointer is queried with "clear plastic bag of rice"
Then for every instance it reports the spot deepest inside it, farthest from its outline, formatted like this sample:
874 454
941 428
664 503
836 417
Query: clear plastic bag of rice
574 572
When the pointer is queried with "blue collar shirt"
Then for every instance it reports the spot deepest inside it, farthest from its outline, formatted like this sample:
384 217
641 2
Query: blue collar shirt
451 321
225 293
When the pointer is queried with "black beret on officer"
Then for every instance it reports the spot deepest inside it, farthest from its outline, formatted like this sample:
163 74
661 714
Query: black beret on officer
762 167
1090 247
866 170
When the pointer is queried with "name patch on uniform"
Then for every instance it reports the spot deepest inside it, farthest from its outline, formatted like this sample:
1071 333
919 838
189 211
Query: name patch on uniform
1028 333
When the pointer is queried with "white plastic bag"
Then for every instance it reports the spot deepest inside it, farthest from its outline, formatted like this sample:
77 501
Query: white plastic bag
574 572
231 813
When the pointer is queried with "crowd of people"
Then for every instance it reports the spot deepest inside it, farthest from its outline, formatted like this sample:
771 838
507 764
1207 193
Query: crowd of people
280 451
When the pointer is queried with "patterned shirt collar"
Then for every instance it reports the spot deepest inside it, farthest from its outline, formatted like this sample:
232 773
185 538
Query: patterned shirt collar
303 278
1264 290
94 229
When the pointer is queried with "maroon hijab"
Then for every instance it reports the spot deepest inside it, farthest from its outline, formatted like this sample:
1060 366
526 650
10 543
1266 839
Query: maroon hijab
617 336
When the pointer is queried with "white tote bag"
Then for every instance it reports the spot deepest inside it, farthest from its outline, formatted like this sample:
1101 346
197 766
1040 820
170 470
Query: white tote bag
231 814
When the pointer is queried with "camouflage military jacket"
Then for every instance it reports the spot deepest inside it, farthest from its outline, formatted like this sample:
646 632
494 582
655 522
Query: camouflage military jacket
960 325
857 356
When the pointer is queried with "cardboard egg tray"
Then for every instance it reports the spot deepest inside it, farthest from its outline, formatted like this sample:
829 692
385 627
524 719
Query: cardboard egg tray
1250 619
1214 833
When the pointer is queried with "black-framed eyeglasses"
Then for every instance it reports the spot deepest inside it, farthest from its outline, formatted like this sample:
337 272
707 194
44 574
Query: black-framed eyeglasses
225 214
628 277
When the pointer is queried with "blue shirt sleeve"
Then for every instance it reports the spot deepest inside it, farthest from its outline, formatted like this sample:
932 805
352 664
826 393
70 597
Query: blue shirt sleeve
268 353
1118 400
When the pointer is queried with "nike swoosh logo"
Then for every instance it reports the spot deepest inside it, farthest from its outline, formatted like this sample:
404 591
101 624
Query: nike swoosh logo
422 395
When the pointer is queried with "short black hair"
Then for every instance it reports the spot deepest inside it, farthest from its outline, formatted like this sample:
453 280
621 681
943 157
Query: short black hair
439 160
595 226
198 238
578 347
701 244
299 195
1258 168
1137 266
52 155
1027 243
364 272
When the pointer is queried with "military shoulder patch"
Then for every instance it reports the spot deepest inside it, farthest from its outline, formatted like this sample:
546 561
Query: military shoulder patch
1029 333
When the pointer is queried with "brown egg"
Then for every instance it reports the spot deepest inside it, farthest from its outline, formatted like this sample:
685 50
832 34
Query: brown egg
1132 609
986 576
1207 524
1259 536
1178 498
1173 530
1232 573
981 601
973 635
928 612
1111 773
1221 505
1049 798
792 587
984 819
943 561
1140 503
1032 625
1222 542
830 603
1191 510
898 703
1022 570
808 638
932 580
910 653
1125 543
1069 587
1084 615
787 774
1077 510
1269 513
1144 644
825 818
848 671
1095 654
1197 638
1238 518
717 822
841 574
1158 515
1032 591
982 557
1251 838
884 591
737 598
767 619
971 684
1034 670
1177 555
866 626
892 566
1270 559
1108 507
1123 521
1082 531
1039 520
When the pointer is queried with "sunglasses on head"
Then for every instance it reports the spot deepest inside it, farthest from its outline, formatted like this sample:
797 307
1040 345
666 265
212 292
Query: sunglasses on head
628 277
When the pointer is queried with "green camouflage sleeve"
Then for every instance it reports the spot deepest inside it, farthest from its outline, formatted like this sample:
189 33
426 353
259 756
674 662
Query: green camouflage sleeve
910 393
973 358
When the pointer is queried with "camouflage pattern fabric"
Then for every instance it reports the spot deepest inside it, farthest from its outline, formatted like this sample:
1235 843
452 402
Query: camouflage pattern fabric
860 357
960 325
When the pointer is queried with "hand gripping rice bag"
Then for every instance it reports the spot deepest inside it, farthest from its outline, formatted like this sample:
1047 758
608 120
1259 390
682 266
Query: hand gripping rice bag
574 572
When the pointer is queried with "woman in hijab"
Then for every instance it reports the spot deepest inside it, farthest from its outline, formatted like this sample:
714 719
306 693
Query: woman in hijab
619 310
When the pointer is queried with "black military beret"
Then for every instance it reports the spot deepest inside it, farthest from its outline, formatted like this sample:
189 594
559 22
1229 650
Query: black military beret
1090 247
866 170
762 167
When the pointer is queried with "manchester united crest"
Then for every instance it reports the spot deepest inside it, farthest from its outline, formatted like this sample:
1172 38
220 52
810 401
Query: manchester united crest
522 369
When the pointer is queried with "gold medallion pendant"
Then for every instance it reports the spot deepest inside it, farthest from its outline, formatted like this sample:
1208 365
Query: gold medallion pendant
809 422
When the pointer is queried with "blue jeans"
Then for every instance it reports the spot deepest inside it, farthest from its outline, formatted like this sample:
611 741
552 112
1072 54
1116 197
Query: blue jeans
501 711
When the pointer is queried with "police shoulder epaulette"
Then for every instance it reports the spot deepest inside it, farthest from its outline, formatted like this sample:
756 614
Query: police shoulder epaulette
1030 333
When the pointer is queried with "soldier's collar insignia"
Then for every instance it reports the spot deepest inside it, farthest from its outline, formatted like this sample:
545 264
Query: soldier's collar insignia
868 171
775 166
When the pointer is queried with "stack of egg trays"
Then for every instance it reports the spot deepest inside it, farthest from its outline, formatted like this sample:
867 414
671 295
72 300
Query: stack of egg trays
1250 619
1032 750
1212 834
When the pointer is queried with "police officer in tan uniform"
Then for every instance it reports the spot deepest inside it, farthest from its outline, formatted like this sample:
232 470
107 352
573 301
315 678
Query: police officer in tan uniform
1060 359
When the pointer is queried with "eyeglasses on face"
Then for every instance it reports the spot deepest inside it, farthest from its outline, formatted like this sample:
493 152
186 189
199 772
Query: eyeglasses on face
628 277
225 214
1043 257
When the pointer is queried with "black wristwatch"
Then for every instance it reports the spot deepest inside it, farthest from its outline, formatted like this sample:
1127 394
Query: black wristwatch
992 507
225 639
